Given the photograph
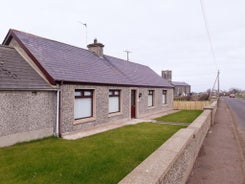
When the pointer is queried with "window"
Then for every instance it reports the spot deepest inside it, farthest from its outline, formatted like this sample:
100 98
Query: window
83 105
150 98
164 97
114 101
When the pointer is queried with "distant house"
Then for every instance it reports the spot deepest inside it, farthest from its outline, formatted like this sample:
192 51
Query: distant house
49 87
180 88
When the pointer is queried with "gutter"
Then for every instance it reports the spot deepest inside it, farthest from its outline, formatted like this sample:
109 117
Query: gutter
111 84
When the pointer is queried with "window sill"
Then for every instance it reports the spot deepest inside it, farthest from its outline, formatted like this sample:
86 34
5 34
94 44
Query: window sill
151 107
85 120
114 114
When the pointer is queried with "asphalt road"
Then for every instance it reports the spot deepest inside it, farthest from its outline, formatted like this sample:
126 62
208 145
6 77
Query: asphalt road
237 107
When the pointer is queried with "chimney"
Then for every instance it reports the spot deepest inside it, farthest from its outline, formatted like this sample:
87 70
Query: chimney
96 48
167 74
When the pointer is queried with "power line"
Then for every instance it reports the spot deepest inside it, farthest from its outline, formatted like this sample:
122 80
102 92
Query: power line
208 33
217 80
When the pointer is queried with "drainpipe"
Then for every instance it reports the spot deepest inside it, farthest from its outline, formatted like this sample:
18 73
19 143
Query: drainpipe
60 108
57 127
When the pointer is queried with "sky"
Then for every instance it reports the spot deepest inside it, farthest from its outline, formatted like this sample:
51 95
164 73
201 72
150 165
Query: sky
162 34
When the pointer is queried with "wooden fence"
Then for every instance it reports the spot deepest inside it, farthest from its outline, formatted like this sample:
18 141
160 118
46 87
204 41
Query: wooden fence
190 105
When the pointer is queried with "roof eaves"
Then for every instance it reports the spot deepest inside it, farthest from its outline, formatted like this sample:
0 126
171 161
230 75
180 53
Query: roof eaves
109 84
7 38
29 89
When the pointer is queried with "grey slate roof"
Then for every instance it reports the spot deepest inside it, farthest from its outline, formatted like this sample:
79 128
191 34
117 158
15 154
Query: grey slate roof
63 62
15 73
175 83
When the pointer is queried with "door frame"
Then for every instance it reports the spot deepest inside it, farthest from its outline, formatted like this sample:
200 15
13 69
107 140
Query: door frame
133 106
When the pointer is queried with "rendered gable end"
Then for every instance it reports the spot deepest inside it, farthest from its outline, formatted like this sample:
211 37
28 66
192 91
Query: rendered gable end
27 102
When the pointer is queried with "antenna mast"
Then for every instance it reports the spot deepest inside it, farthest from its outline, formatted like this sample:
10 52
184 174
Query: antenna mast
127 52
86 30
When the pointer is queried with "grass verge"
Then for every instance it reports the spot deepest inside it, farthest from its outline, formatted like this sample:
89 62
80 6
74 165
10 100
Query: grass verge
103 158
184 116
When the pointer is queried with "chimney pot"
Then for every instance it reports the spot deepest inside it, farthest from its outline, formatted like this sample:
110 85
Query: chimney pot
96 48
167 74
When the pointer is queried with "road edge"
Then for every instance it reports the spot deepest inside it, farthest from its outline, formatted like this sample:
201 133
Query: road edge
238 139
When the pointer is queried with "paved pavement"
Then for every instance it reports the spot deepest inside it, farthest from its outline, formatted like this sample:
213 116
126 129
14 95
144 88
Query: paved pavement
220 159
109 126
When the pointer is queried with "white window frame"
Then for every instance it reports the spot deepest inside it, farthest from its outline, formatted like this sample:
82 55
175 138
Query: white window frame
164 97
83 104
150 98
114 101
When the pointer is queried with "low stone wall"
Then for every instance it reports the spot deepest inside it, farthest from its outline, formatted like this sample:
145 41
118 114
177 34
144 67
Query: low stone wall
174 160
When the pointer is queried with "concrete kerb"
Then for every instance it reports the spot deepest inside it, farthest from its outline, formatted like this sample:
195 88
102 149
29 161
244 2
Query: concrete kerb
174 160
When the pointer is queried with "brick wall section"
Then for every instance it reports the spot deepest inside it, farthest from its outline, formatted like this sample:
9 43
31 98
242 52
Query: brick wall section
173 161
26 111
101 100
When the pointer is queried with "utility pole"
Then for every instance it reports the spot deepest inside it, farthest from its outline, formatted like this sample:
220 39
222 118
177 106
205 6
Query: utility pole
218 83
128 52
